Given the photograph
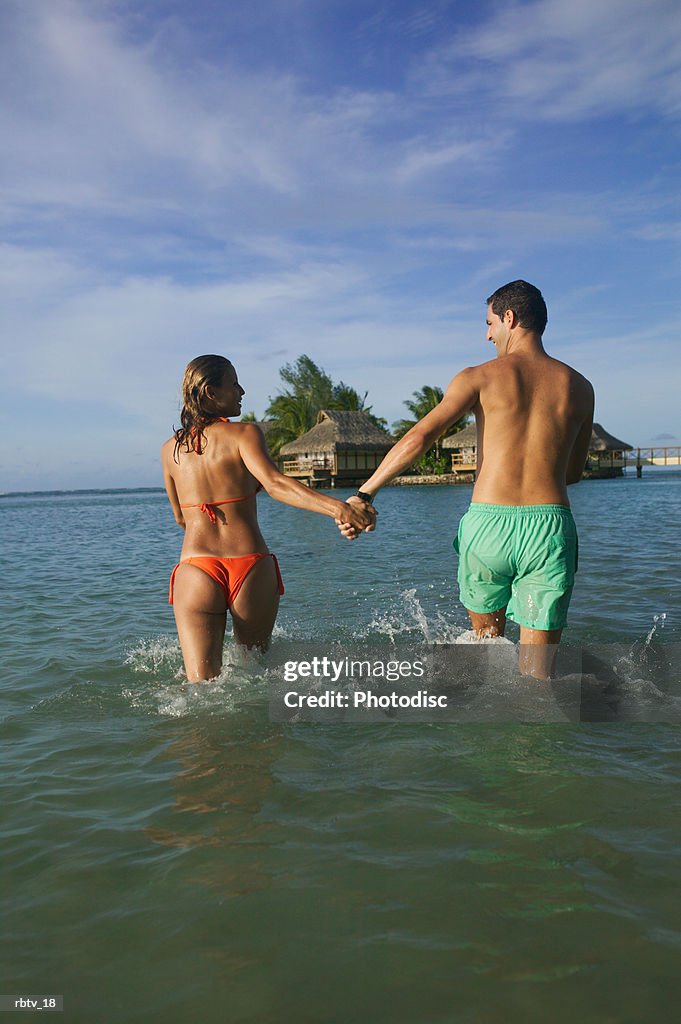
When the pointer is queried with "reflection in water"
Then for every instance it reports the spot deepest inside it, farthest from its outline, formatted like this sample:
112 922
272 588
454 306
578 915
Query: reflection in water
224 781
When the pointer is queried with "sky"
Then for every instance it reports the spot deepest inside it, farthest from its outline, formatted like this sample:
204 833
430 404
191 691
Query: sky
348 179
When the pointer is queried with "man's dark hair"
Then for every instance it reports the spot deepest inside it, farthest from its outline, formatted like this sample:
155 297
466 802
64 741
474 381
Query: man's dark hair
526 301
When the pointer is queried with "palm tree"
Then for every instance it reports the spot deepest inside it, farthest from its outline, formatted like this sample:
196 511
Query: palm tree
291 416
310 388
423 402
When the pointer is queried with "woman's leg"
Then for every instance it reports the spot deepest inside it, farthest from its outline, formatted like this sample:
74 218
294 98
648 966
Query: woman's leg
255 608
200 613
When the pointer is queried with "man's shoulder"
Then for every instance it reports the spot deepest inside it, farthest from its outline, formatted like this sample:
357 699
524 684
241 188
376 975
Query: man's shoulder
476 373
576 377
482 373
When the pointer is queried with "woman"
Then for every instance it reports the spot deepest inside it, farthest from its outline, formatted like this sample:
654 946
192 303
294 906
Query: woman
213 470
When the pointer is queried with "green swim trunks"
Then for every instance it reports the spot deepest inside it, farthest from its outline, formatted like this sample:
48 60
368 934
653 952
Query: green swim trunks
519 557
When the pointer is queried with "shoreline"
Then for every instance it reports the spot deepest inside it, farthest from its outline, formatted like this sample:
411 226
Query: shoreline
432 480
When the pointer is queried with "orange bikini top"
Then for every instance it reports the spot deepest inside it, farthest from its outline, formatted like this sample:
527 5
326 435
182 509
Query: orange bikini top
209 506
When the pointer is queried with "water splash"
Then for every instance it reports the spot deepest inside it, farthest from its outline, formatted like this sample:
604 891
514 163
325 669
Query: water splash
645 658
409 619
415 607
399 621
658 620
160 654
468 637
242 681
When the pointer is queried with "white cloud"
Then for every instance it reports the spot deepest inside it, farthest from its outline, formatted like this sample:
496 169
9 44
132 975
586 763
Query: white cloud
422 158
123 124
660 232
557 60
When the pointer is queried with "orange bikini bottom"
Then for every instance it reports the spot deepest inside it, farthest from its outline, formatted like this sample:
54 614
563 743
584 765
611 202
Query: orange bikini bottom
229 573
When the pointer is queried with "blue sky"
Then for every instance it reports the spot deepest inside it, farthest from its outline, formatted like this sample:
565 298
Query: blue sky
345 179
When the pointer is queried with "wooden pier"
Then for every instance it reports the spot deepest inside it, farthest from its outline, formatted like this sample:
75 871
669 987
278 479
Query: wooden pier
639 457
315 472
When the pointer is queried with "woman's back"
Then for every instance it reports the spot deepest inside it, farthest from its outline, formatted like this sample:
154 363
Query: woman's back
215 491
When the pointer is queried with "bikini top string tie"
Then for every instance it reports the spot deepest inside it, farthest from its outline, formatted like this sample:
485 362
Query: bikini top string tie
209 510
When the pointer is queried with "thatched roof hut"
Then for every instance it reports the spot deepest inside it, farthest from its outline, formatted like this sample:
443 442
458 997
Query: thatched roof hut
602 441
466 438
464 448
340 430
606 454
342 446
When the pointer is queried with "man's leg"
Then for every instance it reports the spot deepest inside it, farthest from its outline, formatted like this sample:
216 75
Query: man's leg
488 624
485 571
538 652
547 562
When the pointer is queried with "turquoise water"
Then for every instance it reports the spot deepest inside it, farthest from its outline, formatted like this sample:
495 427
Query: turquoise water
170 854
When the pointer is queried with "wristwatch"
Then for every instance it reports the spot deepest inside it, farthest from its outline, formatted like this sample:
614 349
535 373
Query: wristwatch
363 496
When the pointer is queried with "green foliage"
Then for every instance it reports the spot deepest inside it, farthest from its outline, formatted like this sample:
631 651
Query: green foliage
309 389
432 464
424 401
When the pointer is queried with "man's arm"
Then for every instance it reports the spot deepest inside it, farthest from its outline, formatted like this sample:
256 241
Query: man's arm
580 448
459 398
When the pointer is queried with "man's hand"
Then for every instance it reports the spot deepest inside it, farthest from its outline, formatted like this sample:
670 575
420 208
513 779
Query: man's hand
349 529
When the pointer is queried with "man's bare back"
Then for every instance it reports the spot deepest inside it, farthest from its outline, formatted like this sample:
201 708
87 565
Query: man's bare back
532 413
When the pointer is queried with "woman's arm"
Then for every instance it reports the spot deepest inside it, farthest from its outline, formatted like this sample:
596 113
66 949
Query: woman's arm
257 460
171 490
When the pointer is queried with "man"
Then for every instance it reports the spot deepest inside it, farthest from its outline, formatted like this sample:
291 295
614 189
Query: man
517 543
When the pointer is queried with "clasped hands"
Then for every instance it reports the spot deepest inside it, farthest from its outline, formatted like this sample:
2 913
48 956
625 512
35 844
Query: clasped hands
360 519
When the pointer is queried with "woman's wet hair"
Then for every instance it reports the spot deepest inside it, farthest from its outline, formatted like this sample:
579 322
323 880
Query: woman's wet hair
526 301
198 410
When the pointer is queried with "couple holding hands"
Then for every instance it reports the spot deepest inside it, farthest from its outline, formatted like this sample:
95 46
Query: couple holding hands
517 543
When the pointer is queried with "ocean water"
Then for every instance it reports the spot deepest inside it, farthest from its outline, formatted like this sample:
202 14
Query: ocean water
171 854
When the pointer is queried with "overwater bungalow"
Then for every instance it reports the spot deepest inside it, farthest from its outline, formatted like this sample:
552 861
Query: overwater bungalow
606 453
464 448
343 448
